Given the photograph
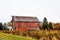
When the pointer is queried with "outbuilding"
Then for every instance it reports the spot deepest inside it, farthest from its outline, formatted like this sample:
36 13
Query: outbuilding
25 23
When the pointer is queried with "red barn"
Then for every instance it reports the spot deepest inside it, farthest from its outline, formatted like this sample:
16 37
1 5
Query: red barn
25 22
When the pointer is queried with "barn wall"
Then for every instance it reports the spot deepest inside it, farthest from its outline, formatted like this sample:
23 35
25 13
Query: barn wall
13 25
26 25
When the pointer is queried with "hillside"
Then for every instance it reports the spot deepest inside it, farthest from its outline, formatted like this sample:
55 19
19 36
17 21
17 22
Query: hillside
4 36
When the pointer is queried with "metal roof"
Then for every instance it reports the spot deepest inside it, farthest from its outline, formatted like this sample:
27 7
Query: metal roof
25 19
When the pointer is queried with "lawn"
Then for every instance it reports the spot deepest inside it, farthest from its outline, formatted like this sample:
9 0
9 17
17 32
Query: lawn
4 36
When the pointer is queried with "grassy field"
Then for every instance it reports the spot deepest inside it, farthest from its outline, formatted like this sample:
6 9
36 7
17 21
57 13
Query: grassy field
4 36
37 34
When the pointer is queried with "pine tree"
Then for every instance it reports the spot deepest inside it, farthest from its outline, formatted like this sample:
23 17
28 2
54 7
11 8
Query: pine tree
50 25
45 23
1 26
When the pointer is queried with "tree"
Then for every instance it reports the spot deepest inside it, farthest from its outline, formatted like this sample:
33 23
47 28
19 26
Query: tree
1 26
45 23
50 26
5 26
9 24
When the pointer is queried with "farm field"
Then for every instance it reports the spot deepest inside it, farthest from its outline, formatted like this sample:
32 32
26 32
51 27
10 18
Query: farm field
4 36
29 35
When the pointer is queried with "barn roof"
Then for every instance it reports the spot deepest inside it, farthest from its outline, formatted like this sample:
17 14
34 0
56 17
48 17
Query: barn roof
25 19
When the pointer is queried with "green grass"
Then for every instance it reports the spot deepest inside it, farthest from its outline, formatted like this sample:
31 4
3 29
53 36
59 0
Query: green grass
4 36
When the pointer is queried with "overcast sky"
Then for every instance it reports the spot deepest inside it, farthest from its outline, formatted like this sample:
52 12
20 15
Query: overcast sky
39 8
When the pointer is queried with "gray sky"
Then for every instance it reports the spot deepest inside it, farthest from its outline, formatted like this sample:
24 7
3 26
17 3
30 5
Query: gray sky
40 8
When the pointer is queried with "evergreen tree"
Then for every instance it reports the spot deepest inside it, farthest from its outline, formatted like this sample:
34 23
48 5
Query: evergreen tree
45 23
50 25
1 26
5 26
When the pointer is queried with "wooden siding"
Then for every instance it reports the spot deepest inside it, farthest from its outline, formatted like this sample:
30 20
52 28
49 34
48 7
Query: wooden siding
26 26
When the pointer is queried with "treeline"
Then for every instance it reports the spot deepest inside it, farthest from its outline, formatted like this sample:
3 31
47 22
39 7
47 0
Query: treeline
4 26
49 25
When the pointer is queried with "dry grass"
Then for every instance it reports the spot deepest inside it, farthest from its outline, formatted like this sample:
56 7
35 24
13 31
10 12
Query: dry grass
39 34
4 36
